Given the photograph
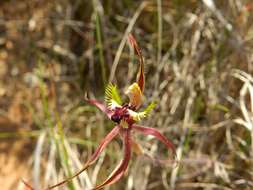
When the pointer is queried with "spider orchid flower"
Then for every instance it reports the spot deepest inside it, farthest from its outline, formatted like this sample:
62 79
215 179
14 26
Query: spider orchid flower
125 117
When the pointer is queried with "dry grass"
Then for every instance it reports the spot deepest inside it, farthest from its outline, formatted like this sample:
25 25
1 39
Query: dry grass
199 66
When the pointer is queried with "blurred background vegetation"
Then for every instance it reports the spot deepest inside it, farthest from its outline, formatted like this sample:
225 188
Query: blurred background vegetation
199 65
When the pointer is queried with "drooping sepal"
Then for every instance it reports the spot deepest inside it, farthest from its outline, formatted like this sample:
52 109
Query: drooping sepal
122 167
27 185
93 158
158 135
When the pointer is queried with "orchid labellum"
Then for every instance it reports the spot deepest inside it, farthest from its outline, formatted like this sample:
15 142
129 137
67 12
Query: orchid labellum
125 116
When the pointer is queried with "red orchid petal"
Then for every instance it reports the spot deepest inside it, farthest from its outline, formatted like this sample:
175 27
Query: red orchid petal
121 168
94 157
158 135
103 144
101 106
140 76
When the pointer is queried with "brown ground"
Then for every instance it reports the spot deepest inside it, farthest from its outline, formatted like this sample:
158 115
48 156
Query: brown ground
14 156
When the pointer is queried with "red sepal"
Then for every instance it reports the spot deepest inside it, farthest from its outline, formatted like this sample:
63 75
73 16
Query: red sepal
121 168
154 132
101 106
